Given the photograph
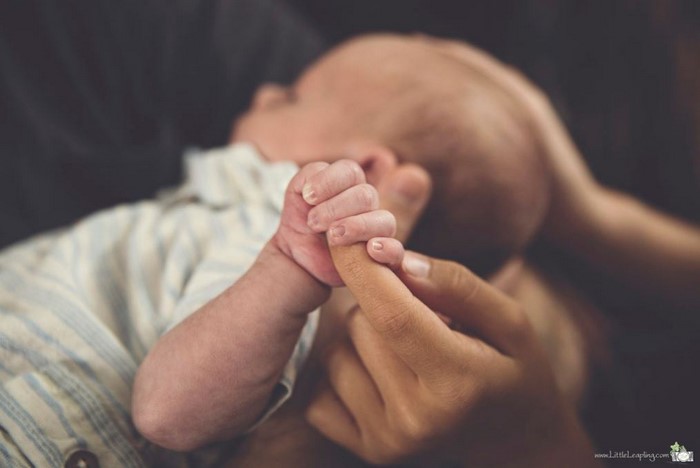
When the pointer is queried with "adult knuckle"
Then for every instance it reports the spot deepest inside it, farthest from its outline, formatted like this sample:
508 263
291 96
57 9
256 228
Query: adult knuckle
391 317
456 393
471 287
463 281
421 419
414 427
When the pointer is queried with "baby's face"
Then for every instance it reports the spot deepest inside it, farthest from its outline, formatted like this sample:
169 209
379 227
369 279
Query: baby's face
325 113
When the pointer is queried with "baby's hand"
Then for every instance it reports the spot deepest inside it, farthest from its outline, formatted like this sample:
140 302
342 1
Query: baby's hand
334 198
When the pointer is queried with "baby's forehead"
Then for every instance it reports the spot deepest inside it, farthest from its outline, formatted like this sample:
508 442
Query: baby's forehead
381 53
352 72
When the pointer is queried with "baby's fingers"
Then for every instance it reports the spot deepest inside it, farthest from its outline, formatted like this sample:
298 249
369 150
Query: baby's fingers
386 250
353 201
334 179
362 227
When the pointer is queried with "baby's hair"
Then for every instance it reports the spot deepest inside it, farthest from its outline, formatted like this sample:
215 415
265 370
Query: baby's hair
490 190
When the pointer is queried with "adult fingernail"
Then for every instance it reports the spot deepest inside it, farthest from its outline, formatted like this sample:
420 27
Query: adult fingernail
415 265
308 194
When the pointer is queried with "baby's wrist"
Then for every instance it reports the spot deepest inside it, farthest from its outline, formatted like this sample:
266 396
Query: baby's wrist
296 281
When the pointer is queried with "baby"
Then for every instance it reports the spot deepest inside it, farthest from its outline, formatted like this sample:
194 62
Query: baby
363 103
385 99
131 288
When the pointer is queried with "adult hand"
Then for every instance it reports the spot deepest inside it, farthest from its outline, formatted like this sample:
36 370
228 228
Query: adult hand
404 384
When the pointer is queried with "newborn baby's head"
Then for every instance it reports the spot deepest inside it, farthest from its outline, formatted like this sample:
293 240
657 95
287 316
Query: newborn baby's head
386 99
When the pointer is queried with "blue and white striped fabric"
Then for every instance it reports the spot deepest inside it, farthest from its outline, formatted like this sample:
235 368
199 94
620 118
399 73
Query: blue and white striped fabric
80 308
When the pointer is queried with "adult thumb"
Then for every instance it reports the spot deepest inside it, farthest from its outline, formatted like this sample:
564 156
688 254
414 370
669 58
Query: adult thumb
453 290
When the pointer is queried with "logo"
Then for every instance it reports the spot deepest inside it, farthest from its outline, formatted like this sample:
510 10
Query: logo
680 454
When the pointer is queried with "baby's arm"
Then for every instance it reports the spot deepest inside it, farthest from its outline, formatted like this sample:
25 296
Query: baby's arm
211 377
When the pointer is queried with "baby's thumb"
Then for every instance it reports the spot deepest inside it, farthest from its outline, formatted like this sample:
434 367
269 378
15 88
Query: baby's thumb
405 193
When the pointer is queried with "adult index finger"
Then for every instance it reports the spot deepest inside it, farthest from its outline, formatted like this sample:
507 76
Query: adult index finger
408 326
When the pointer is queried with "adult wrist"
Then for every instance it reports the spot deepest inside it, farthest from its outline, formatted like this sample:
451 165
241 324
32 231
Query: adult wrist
579 227
605 222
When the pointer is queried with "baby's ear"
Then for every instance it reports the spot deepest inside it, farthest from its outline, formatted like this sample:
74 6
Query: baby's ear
376 160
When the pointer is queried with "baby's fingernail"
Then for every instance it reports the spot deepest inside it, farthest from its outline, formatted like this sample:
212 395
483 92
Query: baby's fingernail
376 245
308 194
415 265
338 231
